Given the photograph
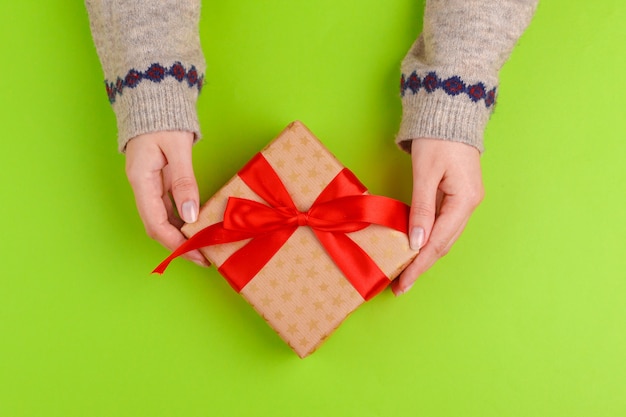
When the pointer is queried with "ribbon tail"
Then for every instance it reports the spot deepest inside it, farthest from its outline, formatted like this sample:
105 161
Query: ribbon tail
243 265
355 264
211 235
355 212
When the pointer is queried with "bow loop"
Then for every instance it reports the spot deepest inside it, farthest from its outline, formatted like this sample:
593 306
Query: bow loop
247 215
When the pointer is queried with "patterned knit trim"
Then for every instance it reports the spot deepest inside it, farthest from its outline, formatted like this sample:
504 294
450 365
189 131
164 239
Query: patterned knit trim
155 73
452 86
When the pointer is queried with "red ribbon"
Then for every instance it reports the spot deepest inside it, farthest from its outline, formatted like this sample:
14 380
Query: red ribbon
339 209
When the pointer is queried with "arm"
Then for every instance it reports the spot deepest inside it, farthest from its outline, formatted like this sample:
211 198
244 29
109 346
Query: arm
153 68
449 86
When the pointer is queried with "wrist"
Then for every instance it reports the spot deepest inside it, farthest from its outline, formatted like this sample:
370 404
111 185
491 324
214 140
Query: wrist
167 106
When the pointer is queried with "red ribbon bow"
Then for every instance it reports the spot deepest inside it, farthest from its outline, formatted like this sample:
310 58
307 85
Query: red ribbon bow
339 209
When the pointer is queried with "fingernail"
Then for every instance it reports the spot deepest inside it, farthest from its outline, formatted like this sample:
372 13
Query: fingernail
416 238
399 293
201 263
190 211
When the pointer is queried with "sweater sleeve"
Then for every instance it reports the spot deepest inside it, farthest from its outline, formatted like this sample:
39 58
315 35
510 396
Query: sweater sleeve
450 75
153 63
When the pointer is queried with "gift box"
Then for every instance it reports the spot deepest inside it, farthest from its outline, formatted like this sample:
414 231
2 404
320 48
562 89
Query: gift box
299 237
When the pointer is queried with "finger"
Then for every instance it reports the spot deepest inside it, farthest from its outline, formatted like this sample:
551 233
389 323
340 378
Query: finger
194 256
175 238
182 179
168 201
171 214
448 227
147 185
426 259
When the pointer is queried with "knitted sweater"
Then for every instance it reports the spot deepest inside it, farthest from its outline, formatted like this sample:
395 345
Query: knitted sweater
152 60
448 84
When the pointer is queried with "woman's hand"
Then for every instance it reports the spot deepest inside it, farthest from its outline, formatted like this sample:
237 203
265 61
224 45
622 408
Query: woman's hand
159 168
447 187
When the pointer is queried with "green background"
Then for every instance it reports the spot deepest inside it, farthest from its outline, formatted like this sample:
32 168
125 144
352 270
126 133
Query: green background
525 317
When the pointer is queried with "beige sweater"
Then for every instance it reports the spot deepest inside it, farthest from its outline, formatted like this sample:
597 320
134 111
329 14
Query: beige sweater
448 85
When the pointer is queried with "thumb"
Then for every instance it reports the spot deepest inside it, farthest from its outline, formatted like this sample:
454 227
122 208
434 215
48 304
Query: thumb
426 179
423 209
183 183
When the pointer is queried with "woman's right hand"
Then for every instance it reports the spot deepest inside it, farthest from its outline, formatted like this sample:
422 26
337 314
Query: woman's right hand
159 169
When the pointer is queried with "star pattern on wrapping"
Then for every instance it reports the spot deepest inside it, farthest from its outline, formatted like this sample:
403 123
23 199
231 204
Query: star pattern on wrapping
305 189
292 328
337 300
293 276
287 145
293 177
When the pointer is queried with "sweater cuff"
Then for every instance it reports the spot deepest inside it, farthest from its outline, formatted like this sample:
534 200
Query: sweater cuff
441 116
154 107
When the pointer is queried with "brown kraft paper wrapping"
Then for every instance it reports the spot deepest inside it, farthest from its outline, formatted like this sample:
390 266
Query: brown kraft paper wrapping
300 292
